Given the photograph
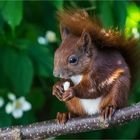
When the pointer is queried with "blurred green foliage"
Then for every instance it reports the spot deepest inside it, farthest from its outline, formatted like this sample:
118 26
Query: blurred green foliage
26 56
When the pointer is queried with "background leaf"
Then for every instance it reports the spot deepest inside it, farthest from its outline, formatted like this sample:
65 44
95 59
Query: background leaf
104 9
6 120
120 13
18 67
58 4
12 12
42 59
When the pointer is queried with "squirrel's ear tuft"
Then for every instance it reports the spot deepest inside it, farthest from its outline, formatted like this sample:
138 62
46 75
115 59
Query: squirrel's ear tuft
86 38
87 42
64 32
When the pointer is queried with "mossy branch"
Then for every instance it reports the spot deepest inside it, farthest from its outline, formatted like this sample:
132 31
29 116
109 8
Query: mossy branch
50 128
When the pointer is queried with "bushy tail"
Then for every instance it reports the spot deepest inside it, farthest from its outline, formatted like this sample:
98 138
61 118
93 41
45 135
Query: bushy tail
131 53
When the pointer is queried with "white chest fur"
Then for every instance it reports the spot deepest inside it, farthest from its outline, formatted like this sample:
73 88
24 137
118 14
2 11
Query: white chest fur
91 106
76 79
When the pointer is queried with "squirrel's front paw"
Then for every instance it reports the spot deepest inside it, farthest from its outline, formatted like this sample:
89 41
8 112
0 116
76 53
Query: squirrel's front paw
58 90
108 112
69 94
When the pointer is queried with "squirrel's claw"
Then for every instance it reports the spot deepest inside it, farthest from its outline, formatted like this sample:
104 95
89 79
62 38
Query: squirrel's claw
62 118
57 95
56 92
60 88
69 94
108 112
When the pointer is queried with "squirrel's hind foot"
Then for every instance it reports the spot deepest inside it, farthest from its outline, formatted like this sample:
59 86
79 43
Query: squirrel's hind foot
107 112
62 117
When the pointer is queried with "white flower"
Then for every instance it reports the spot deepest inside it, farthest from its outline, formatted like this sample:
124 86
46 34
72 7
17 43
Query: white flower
42 40
17 107
50 36
1 102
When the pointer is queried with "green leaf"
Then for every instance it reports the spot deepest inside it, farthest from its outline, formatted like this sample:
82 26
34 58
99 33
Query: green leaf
58 4
3 78
2 3
105 12
5 119
132 133
28 117
42 58
37 99
120 13
18 68
127 131
12 12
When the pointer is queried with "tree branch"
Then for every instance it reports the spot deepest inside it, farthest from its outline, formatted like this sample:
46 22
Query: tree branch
81 124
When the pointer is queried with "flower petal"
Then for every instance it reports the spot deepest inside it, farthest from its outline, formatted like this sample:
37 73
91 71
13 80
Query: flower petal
1 101
9 108
21 100
50 36
11 96
26 106
41 40
17 113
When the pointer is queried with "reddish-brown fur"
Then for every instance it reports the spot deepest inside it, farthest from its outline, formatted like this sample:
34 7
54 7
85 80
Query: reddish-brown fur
105 59
75 106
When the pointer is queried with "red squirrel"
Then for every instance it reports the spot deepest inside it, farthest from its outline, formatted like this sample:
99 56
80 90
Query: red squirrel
97 65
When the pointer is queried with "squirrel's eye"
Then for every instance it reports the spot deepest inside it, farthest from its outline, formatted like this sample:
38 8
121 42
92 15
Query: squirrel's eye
73 59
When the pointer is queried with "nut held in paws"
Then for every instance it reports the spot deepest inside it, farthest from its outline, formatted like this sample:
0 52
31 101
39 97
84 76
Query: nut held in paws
66 85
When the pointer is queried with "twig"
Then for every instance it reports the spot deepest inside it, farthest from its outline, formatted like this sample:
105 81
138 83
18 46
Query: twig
81 124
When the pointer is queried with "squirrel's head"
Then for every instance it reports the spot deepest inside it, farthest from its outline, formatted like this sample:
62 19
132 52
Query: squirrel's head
74 55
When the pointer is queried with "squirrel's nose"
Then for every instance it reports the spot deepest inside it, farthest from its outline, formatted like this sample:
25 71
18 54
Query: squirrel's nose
55 74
